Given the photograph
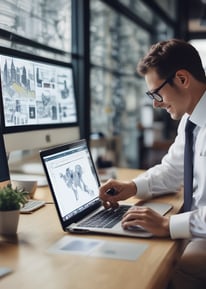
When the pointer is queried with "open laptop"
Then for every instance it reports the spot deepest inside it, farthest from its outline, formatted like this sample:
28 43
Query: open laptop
74 184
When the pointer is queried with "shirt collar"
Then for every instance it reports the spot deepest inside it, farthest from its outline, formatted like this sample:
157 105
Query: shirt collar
198 115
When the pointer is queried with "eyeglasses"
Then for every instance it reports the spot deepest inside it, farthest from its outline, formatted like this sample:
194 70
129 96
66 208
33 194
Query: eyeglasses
154 95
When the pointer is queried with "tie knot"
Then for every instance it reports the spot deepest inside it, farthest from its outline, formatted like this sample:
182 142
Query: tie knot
189 126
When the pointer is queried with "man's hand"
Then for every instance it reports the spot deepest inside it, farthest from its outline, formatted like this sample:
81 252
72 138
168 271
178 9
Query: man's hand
120 191
148 219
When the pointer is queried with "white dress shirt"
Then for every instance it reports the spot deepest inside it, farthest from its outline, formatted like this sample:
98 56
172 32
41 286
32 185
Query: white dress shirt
168 177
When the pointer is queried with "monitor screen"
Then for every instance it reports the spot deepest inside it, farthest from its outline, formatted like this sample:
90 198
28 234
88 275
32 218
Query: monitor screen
36 95
38 106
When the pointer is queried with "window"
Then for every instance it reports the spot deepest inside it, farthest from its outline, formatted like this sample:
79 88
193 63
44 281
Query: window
116 91
37 24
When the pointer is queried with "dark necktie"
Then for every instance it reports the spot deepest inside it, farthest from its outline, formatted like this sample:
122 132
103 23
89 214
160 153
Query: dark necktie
188 165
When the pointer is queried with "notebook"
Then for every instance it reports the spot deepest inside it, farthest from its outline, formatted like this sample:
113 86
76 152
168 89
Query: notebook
74 184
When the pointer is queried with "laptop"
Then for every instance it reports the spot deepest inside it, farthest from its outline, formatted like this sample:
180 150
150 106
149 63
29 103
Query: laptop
74 184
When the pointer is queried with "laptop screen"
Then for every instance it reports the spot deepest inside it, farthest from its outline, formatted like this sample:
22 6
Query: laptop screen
72 178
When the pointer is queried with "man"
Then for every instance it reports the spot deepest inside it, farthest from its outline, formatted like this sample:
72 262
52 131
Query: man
176 80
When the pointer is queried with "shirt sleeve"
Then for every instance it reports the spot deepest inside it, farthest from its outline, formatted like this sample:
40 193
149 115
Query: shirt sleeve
188 225
180 226
198 222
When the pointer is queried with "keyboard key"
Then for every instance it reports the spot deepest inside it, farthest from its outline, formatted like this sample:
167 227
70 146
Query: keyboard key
105 218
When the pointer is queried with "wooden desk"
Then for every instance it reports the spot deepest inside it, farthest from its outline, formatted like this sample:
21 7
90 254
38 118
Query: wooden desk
35 268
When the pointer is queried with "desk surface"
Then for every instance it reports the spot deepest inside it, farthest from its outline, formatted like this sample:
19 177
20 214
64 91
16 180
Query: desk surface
33 267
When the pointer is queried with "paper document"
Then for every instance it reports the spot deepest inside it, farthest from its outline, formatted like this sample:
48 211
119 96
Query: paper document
98 248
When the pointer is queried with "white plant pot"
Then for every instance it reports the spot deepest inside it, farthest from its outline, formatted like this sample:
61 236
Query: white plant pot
9 222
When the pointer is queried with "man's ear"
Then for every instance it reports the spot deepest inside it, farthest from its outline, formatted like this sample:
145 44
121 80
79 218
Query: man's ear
183 77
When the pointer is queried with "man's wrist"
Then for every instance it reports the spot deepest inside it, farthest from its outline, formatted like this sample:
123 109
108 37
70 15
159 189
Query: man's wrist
166 226
133 188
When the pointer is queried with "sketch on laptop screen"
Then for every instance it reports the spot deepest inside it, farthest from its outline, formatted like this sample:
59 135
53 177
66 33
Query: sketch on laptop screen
72 179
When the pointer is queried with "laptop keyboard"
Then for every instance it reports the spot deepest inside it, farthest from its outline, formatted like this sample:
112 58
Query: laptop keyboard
31 206
105 218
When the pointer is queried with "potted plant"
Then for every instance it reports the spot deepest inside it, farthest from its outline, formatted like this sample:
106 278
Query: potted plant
11 200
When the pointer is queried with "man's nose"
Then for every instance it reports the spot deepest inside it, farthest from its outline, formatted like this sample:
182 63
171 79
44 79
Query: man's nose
157 104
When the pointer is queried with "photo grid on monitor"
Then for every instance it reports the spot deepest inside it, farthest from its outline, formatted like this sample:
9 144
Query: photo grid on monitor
35 93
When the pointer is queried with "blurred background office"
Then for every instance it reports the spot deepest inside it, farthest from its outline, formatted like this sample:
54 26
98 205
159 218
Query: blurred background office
104 40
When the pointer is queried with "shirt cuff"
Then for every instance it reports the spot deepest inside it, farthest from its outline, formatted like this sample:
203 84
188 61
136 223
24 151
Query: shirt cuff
142 188
180 226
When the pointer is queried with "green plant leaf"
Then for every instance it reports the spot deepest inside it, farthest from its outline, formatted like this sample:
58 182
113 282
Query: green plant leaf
12 198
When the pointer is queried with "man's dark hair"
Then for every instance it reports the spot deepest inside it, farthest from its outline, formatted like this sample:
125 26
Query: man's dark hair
167 57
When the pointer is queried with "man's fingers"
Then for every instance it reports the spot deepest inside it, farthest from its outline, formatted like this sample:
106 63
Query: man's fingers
110 205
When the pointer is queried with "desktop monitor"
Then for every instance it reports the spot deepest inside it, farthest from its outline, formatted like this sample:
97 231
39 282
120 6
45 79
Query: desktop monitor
38 106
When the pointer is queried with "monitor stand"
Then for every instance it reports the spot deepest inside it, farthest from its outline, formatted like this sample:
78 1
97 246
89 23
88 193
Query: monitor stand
27 166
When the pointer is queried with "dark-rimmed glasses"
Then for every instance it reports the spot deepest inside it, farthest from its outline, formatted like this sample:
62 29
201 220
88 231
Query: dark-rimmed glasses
154 95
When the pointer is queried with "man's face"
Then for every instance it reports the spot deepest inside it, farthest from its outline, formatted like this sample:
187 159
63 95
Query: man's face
173 98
